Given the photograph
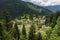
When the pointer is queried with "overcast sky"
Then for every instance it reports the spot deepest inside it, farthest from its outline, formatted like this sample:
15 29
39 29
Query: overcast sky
45 2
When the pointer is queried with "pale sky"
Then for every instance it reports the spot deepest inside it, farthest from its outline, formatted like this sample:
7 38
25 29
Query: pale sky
45 2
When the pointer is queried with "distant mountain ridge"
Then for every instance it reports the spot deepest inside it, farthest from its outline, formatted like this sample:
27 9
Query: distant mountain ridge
54 8
17 8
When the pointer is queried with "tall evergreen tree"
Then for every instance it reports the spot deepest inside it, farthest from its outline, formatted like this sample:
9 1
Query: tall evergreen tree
32 32
16 33
24 31
55 35
7 18
24 35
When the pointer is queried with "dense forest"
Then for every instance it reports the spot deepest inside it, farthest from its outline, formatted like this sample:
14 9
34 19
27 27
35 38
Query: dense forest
30 27
21 20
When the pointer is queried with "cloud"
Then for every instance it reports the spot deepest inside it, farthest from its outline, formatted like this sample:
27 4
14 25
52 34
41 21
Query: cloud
45 2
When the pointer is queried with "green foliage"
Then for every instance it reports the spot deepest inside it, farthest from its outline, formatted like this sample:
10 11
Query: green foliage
51 20
24 30
18 8
55 35
17 29
39 37
16 33
32 33
7 19
1 34
24 34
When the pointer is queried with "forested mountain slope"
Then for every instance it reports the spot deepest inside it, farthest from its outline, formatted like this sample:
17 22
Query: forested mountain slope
17 8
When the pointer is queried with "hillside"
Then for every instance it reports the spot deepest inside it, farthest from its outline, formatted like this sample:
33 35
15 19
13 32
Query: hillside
17 8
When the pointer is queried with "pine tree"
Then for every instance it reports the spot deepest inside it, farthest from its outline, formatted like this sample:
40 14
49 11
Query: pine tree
32 33
7 19
24 31
55 35
58 26
16 33
24 35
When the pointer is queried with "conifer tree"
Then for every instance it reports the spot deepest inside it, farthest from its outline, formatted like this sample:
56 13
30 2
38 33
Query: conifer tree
16 33
55 35
24 35
32 32
24 31
7 18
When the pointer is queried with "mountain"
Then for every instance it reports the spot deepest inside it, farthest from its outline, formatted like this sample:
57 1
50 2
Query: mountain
17 8
54 8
